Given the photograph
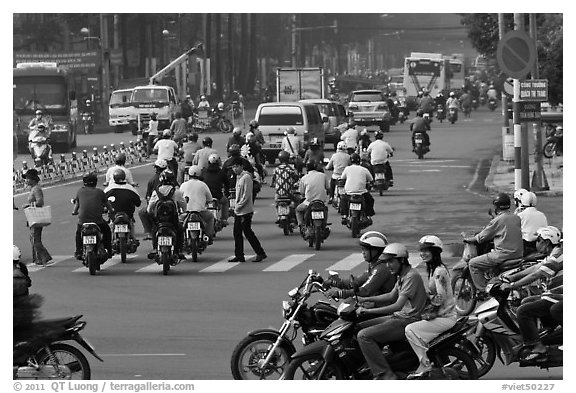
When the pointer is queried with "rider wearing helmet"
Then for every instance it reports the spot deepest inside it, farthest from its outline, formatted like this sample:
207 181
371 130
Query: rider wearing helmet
236 138
201 156
441 314
146 218
126 198
505 229
531 220
374 281
492 93
337 163
217 181
197 194
517 199
203 104
453 102
256 131
402 306
120 161
39 134
167 150
419 124
351 136
357 180
313 186
546 307
40 119
314 152
379 151
284 178
89 205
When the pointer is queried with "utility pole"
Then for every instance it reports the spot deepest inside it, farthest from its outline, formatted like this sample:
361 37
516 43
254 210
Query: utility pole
506 134
521 158
293 48
116 48
105 50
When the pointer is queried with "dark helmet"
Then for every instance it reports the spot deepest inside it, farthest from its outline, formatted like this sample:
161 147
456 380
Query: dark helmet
378 134
351 123
207 141
119 176
311 165
90 179
253 124
283 156
420 113
234 150
355 158
502 201
167 177
314 142
120 159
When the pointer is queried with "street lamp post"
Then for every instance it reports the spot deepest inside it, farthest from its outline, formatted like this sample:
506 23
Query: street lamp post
105 67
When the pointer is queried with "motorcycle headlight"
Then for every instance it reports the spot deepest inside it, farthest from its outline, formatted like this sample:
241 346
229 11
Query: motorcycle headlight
286 309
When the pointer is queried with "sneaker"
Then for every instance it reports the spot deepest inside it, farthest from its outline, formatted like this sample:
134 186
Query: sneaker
78 256
236 259
260 258
344 220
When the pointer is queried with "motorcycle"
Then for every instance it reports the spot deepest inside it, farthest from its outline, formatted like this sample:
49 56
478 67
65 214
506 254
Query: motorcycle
357 219
440 113
492 104
264 353
315 226
286 214
452 115
337 355
87 123
195 238
381 182
553 145
166 243
419 148
40 150
123 241
402 115
483 99
466 110
94 254
46 356
498 333
236 109
202 120
221 123
338 194
474 104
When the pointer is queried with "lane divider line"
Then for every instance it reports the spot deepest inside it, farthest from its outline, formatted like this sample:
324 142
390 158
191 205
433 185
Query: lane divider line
348 263
224 265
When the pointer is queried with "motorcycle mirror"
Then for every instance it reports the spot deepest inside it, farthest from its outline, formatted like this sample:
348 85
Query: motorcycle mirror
293 292
332 273
72 201
112 198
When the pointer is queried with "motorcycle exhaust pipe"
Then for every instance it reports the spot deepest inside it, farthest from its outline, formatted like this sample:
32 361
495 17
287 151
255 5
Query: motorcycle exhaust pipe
205 238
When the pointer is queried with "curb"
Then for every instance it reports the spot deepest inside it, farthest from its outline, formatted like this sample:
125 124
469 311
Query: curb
490 185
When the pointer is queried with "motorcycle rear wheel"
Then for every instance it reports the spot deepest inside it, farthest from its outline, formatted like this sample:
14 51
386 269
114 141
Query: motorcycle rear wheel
464 294
308 367
355 226
549 149
487 356
317 238
92 262
286 228
68 355
194 250
457 360
165 261
251 351
122 246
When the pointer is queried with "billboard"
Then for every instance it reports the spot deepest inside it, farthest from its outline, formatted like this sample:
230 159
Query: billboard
83 60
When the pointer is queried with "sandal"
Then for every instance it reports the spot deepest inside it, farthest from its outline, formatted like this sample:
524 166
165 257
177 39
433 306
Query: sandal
536 357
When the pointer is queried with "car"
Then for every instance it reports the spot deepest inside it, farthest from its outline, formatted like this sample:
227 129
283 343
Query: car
369 107
336 116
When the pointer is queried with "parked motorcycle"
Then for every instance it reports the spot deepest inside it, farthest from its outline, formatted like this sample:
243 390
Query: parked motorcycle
45 355
419 147
337 355
553 145
123 241
264 353
357 219
220 123
381 182
315 226
286 215
195 238
440 113
498 334
452 115
87 123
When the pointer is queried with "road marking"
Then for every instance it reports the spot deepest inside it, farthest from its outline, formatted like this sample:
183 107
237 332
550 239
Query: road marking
288 263
32 267
224 265
109 263
424 170
153 267
348 263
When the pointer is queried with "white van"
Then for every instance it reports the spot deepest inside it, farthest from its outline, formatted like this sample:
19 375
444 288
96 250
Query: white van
149 99
120 110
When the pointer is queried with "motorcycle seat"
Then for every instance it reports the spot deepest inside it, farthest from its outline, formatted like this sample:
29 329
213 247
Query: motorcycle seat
510 264
64 322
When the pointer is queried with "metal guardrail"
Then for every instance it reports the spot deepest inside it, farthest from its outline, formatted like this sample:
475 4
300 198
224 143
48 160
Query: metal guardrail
77 165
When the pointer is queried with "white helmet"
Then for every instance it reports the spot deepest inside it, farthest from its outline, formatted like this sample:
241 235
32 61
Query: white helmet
341 146
16 253
161 163
237 130
528 199
373 239
430 241
394 250
550 233
213 158
195 171
518 195
220 105
451 94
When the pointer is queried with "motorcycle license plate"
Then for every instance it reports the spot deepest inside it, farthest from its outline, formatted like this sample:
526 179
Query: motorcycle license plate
380 176
275 145
194 226
122 228
317 215
283 210
418 140
88 239
164 241
355 206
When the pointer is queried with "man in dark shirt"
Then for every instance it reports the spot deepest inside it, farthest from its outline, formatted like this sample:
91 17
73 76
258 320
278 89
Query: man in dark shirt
126 198
219 184
89 206
153 183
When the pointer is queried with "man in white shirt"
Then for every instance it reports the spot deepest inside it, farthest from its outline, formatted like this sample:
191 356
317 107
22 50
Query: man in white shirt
379 151
531 220
313 186
201 156
357 178
350 137
197 194
120 164
166 149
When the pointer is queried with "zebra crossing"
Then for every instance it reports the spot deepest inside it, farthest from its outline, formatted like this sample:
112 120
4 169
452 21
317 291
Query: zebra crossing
320 261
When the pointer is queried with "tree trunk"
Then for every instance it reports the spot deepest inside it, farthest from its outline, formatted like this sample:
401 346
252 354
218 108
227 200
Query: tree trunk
218 57
242 70
231 67
253 57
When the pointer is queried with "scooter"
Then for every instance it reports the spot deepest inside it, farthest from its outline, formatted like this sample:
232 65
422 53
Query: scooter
440 113
286 215
123 241
87 123
94 253
419 147
452 115
381 182
315 226
40 150
195 238
492 104
357 219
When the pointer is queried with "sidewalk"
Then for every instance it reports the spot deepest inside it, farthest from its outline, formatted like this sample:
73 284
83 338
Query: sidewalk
501 175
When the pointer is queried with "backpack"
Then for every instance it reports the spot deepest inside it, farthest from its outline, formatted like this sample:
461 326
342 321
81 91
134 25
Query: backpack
166 211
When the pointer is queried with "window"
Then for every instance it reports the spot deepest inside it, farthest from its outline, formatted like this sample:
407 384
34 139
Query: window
120 98
368 96
313 114
280 116
46 92
150 95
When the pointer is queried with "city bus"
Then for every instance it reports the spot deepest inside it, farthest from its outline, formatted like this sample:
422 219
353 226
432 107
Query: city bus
425 70
47 87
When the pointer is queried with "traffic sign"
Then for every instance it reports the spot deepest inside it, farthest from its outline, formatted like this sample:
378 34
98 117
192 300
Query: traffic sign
516 54
508 87
529 111
534 89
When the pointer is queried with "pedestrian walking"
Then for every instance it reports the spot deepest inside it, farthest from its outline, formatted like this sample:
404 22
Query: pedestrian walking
40 254
243 212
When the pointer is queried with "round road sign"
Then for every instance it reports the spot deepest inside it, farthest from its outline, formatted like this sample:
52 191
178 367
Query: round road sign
516 54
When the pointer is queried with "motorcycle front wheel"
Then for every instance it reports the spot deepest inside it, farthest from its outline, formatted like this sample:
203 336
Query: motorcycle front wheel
309 367
549 149
68 356
464 294
225 126
250 353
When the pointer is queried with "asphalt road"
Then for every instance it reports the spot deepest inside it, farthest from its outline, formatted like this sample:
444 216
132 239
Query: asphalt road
185 325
